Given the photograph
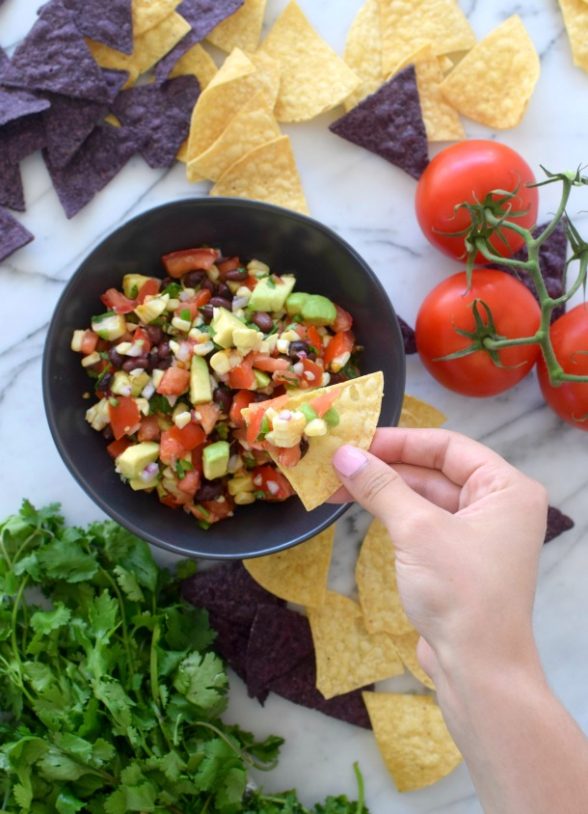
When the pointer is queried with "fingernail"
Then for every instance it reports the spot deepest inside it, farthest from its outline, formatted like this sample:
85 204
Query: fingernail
348 461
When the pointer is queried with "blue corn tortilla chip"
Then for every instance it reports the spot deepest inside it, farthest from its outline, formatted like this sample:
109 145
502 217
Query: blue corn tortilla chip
14 104
107 21
20 138
390 124
552 260
13 235
54 57
279 640
299 686
70 121
11 189
162 114
228 591
97 162
557 523
203 16
408 337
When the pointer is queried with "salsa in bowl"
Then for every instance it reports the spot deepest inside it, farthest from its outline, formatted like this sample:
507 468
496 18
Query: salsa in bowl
252 301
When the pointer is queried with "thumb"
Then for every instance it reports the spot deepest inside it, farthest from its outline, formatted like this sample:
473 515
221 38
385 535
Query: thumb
377 487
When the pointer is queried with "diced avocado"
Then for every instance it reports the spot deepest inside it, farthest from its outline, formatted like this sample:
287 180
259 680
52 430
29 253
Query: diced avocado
223 324
132 284
270 293
318 310
246 339
137 484
307 411
215 460
331 417
295 302
200 389
109 325
261 379
134 459
153 308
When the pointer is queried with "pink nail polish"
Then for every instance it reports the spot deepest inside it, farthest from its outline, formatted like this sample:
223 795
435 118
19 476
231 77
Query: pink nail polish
348 461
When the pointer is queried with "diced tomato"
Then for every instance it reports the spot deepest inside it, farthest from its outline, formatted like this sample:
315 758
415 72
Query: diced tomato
343 320
149 429
241 399
341 343
289 456
179 263
190 483
242 376
228 265
218 511
254 426
262 361
315 339
323 403
116 448
170 448
189 436
124 416
264 476
149 289
207 415
141 335
117 301
286 377
312 374
192 305
250 282
89 342
169 500
175 382
197 458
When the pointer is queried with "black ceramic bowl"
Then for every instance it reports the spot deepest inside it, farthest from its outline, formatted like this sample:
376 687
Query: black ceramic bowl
288 242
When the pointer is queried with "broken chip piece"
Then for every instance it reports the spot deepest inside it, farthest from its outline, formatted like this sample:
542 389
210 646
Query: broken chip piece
13 235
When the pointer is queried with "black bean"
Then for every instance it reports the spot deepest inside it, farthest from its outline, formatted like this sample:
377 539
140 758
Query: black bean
153 359
222 396
207 313
135 362
299 347
104 383
263 321
208 285
107 433
236 275
223 290
163 364
155 334
261 397
235 447
164 350
209 490
115 357
194 278
337 378
303 447
220 302
167 281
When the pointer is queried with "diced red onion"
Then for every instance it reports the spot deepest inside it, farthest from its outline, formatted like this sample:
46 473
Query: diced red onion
273 487
149 472
239 302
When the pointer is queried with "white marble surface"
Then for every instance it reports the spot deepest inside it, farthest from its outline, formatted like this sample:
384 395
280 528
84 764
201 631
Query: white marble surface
370 204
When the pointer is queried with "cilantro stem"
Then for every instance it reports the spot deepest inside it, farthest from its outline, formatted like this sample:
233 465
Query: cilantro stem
126 640
360 788
14 643
154 682
262 767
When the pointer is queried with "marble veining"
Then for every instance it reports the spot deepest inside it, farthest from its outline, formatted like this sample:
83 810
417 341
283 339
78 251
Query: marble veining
370 204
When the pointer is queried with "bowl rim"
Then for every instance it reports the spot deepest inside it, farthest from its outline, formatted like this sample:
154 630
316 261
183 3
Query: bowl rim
53 331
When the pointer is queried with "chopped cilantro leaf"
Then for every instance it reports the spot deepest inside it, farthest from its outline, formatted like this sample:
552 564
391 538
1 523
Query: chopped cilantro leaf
173 289
185 314
182 467
159 404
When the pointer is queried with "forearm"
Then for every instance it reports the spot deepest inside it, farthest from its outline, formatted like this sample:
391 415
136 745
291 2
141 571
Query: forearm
524 752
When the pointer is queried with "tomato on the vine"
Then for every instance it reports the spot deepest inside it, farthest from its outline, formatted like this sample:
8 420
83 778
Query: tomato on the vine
448 308
569 338
468 172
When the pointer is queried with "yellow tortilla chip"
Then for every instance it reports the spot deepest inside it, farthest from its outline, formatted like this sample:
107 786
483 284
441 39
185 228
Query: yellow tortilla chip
417 413
253 126
347 656
149 13
314 78
242 29
375 575
358 403
196 62
267 173
298 574
575 14
406 644
494 82
442 121
363 52
148 49
238 79
407 25
412 737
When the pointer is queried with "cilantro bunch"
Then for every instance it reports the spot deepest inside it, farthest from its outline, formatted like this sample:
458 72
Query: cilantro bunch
110 693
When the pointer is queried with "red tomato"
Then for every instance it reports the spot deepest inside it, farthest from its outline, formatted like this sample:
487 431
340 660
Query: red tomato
468 171
142 336
569 337
449 307
170 448
312 374
179 263
192 305
117 302
271 482
148 289
149 429
228 265
124 416
241 400
116 448
341 343
323 403
315 339
343 321
289 456
175 382
262 361
207 415
190 483
170 501
242 376
89 342
218 510
190 436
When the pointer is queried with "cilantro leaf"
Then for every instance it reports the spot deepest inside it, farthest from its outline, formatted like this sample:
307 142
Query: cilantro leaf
202 680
